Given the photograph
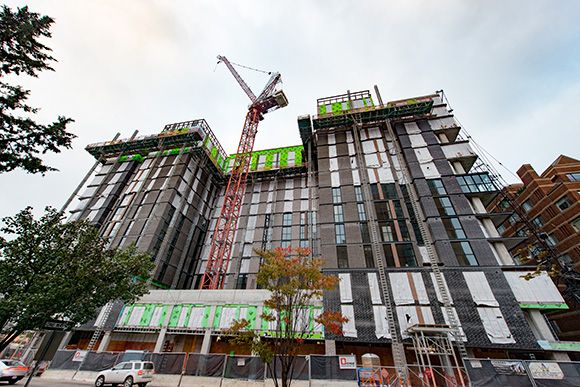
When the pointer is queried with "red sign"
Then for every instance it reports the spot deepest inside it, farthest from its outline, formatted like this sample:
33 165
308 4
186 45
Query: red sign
428 372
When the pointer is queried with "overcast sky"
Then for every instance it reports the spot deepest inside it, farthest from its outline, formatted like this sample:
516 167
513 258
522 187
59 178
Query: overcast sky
509 68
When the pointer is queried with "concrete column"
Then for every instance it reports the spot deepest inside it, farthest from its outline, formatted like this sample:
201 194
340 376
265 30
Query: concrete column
443 138
65 340
458 168
206 344
105 342
160 340
478 205
329 347
541 329
163 331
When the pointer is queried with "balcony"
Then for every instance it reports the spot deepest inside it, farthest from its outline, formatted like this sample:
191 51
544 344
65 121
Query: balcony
462 152
478 184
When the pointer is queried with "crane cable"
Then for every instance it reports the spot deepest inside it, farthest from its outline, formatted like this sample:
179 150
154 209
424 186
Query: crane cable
246 67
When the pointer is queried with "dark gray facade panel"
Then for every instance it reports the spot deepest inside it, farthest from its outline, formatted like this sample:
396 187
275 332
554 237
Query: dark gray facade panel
429 207
443 167
461 204
436 152
415 170
445 253
471 227
353 233
451 185
405 141
346 177
437 229
483 253
324 179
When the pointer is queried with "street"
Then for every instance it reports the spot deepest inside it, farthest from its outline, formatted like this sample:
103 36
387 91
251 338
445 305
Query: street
40 382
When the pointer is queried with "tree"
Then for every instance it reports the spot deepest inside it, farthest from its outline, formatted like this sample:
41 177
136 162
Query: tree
295 282
21 138
53 269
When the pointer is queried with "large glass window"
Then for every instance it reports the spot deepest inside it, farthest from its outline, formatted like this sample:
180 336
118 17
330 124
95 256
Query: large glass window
576 224
342 257
338 215
453 228
405 255
369 260
340 234
358 193
286 229
475 183
538 221
464 253
364 231
573 176
362 216
444 206
436 187
336 196
564 203
528 205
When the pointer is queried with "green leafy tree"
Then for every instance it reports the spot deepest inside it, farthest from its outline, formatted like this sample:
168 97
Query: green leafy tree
55 269
295 281
22 140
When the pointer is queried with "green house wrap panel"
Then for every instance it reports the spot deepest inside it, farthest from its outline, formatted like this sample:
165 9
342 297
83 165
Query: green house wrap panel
187 315
128 315
123 158
254 163
163 314
216 319
205 316
147 314
323 109
214 152
284 159
174 316
251 316
298 158
269 160
265 311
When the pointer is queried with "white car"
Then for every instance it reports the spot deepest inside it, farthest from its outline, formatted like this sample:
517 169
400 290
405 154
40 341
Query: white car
127 374
12 371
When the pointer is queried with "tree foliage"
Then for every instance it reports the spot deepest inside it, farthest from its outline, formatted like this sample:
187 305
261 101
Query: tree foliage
53 269
294 280
22 140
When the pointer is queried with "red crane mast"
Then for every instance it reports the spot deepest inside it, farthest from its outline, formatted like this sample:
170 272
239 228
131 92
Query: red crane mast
223 237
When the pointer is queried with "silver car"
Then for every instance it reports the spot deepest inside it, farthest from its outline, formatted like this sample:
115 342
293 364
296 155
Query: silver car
127 373
12 371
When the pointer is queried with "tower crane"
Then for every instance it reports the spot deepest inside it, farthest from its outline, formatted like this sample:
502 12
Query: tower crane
269 100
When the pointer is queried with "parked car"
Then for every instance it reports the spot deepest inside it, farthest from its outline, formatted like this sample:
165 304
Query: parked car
12 371
127 373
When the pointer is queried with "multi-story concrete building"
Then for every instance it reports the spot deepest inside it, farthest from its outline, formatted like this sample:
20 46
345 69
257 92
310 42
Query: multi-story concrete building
385 193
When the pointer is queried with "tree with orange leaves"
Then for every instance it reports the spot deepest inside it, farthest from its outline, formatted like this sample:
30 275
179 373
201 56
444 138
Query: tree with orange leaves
295 281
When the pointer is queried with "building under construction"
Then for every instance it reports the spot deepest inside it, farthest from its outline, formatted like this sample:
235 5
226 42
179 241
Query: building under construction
386 193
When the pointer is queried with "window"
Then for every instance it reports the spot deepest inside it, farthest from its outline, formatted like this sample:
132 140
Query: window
538 221
362 216
369 260
303 230
576 224
336 196
475 183
406 255
338 215
453 228
566 260
514 218
242 281
573 176
501 229
436 187
358 193
364 231
340 234
388 232
383 210
342 257
464 253
286 229
528 205
552 240
444 206
563 203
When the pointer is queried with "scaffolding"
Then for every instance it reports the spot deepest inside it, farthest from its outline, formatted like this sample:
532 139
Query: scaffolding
438 363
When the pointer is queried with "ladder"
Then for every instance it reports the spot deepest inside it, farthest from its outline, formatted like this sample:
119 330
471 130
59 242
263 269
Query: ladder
453 323
397 347
100 327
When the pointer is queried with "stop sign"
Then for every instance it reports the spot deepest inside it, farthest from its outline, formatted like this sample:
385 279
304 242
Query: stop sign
428 372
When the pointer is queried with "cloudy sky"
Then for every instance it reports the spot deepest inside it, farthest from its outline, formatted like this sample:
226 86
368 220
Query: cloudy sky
511 71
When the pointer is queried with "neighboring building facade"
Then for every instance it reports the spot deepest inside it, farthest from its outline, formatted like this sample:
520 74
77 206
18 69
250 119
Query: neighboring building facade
551 203
384 193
